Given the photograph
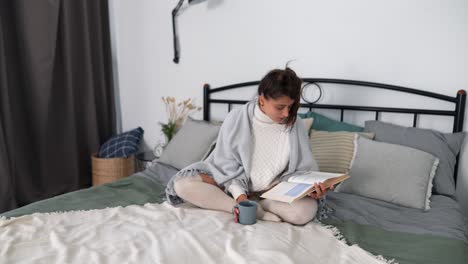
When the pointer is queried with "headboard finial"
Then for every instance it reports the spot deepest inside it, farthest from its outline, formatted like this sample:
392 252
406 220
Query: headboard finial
461 92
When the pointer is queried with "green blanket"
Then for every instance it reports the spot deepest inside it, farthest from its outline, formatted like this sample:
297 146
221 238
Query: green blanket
131 190
403 247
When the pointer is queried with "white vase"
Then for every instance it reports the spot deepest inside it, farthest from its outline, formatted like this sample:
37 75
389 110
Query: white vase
158 149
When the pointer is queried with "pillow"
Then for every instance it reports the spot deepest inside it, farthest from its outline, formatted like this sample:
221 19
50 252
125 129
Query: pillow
391 173
191 143
322 122
308 123
443 146
122 145
334 151
210 150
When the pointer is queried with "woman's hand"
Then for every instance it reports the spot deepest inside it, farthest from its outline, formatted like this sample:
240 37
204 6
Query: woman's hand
242 197
320 191
208 179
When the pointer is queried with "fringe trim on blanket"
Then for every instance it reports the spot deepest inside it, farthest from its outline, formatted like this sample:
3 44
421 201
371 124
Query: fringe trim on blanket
435 165
170 194
337 234
323 209
55 213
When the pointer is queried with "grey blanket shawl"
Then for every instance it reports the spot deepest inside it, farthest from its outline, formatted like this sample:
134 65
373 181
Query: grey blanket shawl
230 160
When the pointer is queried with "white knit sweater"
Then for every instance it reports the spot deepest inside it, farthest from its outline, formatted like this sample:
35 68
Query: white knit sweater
270 153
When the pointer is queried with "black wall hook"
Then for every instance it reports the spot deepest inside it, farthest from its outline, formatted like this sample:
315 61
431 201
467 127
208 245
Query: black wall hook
174 28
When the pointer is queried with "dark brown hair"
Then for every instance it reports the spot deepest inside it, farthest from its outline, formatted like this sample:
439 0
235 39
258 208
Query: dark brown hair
278 83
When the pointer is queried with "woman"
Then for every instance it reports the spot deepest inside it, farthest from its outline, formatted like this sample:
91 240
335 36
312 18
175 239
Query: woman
258 145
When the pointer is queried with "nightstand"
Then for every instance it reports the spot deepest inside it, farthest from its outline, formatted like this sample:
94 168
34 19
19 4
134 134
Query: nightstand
144 160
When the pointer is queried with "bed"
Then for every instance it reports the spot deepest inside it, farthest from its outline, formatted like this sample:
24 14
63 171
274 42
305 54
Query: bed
129 221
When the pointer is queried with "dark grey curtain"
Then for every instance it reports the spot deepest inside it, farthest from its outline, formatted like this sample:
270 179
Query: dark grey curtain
56 96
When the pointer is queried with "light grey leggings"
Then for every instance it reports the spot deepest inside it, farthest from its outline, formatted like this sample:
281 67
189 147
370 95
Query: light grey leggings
208 196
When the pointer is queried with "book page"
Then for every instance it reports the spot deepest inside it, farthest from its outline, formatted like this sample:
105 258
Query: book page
287 191
312 177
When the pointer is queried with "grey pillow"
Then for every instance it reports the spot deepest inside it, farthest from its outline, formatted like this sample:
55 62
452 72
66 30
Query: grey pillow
392 173
190 144
443 146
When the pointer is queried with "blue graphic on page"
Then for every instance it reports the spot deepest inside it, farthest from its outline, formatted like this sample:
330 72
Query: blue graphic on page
296 190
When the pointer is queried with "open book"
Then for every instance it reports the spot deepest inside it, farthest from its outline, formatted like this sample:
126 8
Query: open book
299 185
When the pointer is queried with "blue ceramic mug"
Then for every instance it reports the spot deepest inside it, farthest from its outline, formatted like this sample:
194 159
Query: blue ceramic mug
247 212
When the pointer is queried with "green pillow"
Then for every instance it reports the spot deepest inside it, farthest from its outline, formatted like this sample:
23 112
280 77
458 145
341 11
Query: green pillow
324 123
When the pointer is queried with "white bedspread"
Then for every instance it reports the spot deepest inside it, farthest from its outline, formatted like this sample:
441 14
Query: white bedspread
161 233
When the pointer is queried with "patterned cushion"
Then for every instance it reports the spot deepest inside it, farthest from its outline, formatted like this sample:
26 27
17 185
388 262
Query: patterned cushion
122 145
334 151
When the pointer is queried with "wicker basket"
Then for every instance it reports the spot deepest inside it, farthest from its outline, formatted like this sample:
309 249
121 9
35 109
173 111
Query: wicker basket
111 169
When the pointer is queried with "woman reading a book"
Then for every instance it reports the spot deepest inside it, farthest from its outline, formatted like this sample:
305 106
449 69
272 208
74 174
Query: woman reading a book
258 145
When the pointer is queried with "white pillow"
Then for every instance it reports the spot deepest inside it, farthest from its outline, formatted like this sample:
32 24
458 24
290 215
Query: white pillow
308 123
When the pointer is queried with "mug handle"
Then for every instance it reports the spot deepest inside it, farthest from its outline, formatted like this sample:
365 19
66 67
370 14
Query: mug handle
235 211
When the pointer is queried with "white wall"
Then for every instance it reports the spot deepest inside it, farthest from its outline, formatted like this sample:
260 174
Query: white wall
420 44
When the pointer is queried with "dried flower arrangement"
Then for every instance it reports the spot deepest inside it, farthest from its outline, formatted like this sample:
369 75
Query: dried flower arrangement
177 113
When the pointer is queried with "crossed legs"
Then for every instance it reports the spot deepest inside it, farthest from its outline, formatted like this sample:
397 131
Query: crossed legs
208 196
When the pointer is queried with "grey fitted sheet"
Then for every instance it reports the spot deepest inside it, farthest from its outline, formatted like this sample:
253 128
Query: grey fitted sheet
158 172
445 218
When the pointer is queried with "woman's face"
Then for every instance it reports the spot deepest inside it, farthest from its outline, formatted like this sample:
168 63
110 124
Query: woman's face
276 109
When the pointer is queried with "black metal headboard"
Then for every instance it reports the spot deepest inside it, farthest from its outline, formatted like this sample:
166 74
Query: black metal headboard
458 114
